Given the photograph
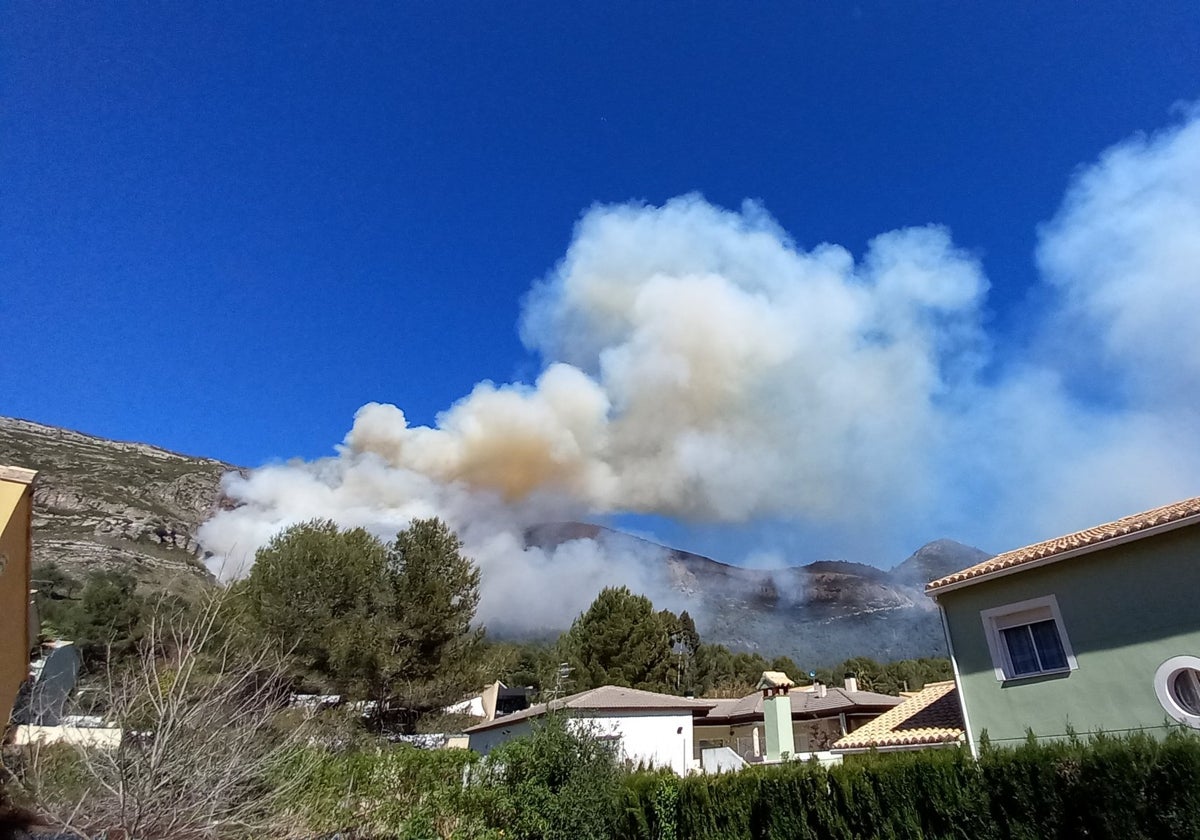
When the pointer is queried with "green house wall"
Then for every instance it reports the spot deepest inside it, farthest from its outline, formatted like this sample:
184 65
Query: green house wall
1125 610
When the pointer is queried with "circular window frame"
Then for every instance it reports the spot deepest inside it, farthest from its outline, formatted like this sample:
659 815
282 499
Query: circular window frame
1164 678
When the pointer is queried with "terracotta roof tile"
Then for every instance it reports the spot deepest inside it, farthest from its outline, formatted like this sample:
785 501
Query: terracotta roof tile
930 717
1088 538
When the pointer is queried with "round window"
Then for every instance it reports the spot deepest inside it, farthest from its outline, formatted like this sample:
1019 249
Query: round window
1177 684
1185 689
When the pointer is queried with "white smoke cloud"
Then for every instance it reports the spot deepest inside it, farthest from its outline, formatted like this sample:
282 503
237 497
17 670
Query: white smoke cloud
699 365
747 377
1125 252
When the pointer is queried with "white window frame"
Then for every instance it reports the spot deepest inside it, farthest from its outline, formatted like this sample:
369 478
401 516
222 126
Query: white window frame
1018 614
1164 677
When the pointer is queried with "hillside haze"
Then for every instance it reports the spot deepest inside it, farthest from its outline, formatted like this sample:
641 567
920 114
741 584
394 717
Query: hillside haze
106 504
817 613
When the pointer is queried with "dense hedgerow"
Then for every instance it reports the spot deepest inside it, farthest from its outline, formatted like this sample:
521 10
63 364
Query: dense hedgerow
558 785
1135 787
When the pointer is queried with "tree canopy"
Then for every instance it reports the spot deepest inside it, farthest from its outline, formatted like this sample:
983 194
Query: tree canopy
104 615
435 653
620 640
391 621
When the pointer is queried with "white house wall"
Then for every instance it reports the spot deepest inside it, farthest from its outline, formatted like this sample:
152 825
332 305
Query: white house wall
487 740
662 739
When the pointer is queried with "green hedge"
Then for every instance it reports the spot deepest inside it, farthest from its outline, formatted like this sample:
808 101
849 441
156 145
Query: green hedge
1135 787
548 788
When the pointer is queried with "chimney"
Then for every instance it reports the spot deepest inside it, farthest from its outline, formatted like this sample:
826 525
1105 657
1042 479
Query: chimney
821 689
777 715
851 682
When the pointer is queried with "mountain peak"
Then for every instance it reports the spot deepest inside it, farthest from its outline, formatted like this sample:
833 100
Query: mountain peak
937 559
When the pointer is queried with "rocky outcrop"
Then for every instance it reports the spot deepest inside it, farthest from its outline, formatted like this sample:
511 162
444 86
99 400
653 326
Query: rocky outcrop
108 504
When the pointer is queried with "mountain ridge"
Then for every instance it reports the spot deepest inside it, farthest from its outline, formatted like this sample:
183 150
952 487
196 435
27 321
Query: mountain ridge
104 504
819 612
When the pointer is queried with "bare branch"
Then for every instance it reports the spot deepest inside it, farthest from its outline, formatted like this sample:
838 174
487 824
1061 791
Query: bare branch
199 745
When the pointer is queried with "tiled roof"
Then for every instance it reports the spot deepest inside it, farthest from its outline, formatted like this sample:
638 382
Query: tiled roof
805 704
1089 539
611 698
930 717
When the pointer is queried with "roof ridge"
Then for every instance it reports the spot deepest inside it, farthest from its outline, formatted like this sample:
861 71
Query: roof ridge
1088 538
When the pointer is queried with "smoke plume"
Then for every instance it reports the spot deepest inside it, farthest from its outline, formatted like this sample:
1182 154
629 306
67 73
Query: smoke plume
698 364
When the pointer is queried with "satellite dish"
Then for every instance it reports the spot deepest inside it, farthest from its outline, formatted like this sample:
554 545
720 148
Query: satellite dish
812 675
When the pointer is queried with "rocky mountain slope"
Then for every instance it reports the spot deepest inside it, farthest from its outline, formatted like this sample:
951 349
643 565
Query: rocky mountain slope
105 504
818 613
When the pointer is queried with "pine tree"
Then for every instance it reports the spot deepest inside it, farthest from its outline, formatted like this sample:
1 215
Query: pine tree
435 651
619 640
391 622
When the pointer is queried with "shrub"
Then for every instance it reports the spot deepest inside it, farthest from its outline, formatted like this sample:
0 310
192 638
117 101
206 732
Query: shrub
388 791
198 715
562 782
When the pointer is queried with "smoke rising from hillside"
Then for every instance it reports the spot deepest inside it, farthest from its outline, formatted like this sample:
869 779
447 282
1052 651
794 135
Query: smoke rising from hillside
698 363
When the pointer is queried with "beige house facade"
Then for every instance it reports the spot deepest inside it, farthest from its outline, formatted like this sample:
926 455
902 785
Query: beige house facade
16 518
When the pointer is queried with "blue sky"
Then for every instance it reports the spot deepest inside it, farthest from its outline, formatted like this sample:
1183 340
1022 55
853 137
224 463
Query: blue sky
227 227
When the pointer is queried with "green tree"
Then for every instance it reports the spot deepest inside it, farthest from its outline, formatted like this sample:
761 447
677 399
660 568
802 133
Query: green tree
325 592
892 678
57 600
435 653
105 615
391 622
867 671
524 664
685 640
619 640
722 673
913 674
789 667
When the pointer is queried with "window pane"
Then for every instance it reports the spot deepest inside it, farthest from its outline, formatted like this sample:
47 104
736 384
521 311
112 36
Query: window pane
1186 685
1020 650
1049 645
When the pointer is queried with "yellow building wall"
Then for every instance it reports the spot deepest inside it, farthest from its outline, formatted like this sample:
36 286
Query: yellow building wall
16 508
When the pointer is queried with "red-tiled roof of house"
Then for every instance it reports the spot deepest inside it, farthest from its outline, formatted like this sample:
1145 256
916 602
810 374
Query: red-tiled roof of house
931 717
1130 527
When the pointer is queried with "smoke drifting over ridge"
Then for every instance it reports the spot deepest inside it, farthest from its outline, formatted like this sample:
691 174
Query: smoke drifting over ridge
699 364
